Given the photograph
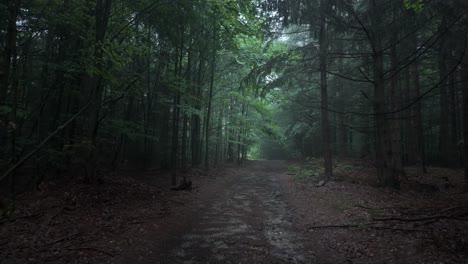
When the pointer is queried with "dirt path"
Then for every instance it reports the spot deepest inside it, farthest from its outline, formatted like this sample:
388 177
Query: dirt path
255 213
242 218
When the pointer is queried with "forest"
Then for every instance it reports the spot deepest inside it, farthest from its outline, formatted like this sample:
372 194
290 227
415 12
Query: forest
118 116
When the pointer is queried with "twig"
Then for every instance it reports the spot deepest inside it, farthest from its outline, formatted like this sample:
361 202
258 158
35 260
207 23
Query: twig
426 223
453 208
366 225
397 229
62 239
380 208
439 216
416 219
93 249
340 226
52 217
139 222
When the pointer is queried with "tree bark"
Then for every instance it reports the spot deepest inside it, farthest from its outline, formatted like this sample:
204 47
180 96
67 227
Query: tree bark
444 148
462 4
10 47
325 129
388 176
465 117
416 122
7 69
103 8
175 138
210 99
395 98
164 137
219 136
452 103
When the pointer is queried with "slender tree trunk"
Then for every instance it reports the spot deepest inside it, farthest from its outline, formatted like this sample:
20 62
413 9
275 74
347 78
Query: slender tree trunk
343 120
186 118
366 138
239 132
452 90
462 4
210 99
415 133
183 147
396 144
230 134
103 8
416 121
465 117
175 121
208 119
165 139
325 129
10 47
14 108
7 69
196 120
387 175
444 150
195 140
219 136
175 137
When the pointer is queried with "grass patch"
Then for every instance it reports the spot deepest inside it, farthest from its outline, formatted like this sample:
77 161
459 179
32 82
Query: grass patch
301 174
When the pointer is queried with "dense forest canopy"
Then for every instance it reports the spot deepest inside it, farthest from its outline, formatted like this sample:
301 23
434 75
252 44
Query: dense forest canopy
87 87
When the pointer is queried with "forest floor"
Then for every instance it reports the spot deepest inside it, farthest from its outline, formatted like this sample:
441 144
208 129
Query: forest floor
261 212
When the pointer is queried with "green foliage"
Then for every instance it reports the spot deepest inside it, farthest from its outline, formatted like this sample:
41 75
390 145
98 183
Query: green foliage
376 212
254 153
415 5
344 166
300 173
294 169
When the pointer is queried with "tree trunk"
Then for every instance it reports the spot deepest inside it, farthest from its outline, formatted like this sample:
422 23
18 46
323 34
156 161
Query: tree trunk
7 68
10 47
388 176
175 138
325 129
452 90
465 118
117 160
444 150
164 137
219 136
395 98
344 134
210 99
183 147
464 68
103 8
416 121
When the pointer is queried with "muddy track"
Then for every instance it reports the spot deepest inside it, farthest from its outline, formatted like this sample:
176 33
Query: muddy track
243 219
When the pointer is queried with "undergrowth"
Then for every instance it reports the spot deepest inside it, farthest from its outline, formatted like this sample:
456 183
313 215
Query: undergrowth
302 173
